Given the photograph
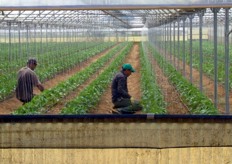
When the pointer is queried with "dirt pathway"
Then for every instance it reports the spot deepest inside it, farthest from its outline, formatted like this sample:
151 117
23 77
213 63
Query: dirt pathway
105 105
171 95
11 104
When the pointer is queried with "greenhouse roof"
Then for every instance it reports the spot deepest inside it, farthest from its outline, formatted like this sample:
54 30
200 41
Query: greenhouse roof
92 3
108 13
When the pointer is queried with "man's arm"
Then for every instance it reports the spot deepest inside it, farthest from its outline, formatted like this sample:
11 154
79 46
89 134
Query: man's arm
40 87
36 82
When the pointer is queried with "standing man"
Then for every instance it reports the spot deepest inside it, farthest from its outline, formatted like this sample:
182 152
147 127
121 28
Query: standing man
122 100
27 79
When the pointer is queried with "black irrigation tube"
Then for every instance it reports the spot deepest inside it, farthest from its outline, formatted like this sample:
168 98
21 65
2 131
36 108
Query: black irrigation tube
153 118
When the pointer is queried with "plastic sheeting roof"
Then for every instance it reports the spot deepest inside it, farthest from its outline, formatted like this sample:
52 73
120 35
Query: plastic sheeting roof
109 2
121 14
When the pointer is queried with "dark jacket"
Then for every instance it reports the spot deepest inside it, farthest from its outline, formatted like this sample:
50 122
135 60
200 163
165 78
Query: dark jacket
119 87
27 79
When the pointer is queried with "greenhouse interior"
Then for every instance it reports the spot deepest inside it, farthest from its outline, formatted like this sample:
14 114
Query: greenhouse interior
181 53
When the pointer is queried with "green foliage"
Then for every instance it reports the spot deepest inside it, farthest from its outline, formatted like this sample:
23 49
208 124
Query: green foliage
50 97
90 96
51 61
196 101
208 58
152 98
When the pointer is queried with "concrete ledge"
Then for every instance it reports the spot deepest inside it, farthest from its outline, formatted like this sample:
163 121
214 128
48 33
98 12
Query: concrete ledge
199 155
134 132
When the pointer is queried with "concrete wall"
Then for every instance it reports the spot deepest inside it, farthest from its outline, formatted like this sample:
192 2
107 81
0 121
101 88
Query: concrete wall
197 155
114 135
116 139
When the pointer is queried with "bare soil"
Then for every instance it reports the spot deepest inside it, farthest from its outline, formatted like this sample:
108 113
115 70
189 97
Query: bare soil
171 96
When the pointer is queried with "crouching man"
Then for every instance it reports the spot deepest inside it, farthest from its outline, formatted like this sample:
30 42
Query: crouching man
122 100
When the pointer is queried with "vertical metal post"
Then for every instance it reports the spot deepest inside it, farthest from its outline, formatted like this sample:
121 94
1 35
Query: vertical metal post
46 36
109 35
1 39
41 38
12 31
183 48
178 35
19 40
72 35
10 44
60 36
191 47
174 43
165 41
1 47
61 40
65 38
227 60
4 41
68 39
75 32
27 39
116 36
35 40
62 30
215 35
5 30
170 42
201 14
55 38
51 34
163 38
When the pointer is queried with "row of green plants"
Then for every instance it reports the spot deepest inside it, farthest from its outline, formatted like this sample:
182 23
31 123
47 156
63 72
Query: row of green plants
15 51
152 98
67 61
52 65
90 96
196 101
49 54
208 58
48 57
43 102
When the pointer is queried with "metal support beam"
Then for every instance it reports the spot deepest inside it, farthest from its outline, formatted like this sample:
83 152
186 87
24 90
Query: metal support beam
201 14
128 25
191 47
215 11
227 60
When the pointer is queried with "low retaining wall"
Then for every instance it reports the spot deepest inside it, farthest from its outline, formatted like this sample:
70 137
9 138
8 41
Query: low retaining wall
115 131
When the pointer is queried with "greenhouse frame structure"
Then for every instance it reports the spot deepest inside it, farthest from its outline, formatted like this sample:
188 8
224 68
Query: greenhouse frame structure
173 29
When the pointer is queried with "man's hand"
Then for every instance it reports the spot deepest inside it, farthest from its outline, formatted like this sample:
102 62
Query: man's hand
132 99
40 87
